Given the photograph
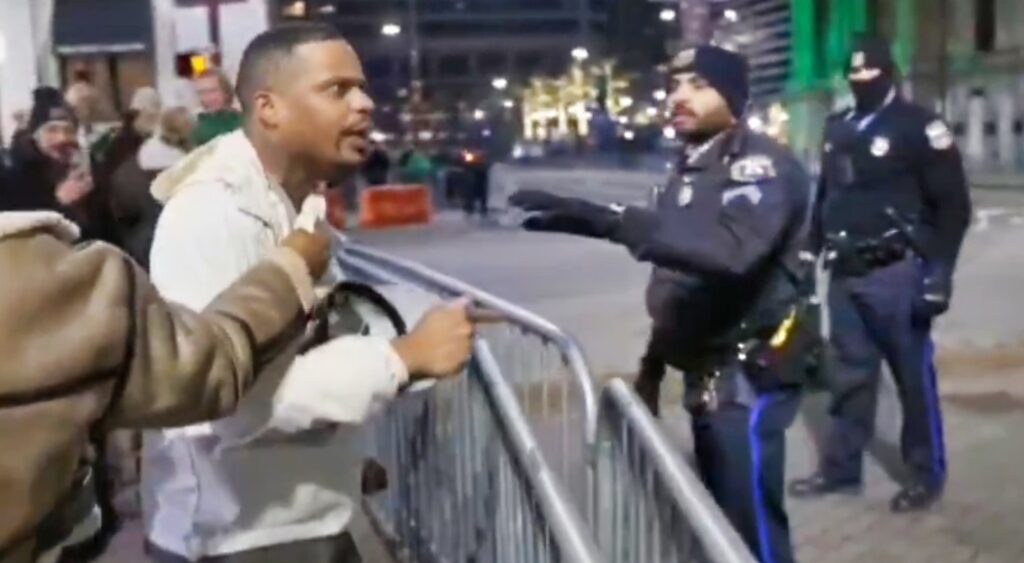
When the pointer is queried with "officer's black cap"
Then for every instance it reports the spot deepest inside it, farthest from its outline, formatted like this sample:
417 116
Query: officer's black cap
724 70
870 51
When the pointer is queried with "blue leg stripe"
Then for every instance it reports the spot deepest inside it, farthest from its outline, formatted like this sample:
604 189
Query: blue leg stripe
755 474
934 414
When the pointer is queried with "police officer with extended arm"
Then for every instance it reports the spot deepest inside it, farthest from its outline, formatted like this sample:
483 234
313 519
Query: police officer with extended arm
892 210
723 237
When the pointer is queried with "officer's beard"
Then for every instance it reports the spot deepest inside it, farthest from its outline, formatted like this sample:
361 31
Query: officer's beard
709 126
869 95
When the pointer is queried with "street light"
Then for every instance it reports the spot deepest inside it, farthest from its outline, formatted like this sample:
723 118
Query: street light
390 29
731 15
479 114
660 95
499 83
580 54
508 104
667 15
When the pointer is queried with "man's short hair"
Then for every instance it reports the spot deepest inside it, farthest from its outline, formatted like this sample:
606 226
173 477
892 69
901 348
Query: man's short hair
269 52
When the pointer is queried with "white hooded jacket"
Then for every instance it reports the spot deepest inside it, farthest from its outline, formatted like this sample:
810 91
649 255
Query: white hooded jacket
281 469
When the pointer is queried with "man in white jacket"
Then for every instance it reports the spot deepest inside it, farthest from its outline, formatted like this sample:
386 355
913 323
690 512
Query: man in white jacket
279 479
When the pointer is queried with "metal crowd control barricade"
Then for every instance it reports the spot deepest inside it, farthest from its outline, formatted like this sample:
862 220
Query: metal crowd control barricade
543 365
650 507
467 480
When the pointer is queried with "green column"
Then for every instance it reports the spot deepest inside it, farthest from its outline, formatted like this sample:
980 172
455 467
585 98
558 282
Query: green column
846 18
803 45
905 32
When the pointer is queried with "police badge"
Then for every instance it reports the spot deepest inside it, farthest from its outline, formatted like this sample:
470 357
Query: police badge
684 60
685 195
880 146
858 60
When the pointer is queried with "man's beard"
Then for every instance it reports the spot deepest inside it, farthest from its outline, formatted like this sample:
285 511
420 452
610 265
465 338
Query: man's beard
705 133
708 125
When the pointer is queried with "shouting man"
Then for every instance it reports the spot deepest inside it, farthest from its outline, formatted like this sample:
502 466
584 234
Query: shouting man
278 480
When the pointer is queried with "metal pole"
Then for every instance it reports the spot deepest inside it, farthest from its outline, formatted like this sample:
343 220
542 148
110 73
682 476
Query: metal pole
414 47
943 56
694 21
584 17
682 17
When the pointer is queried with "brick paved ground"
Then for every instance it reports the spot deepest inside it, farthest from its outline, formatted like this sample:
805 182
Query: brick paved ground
978 520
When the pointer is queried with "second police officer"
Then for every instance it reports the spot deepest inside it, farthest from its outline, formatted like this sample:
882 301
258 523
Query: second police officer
724 238
891 212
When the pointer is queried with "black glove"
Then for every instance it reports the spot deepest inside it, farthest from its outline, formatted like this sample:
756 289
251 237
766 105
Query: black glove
936 292
649 391
566 214
537 200
596 225
648 381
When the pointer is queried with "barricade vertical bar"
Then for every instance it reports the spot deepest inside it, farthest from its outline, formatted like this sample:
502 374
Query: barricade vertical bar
544 366
637 467
516 509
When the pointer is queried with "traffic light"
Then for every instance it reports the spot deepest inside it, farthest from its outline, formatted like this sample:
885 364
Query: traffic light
192 64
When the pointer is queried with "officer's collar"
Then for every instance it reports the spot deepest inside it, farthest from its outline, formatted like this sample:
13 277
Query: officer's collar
723 147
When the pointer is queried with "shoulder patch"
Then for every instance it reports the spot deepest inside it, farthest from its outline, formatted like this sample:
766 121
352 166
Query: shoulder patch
939 136
752 169
750 191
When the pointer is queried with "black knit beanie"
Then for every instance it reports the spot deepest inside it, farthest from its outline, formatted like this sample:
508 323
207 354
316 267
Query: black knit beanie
871 52
48 105
724 70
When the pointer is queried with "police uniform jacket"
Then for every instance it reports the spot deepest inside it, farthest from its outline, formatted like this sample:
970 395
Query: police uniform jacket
720 232
902 157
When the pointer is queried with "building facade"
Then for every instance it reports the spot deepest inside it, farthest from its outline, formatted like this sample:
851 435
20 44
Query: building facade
467 55
962 58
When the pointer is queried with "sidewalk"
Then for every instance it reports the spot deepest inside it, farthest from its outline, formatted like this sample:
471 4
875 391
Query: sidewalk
997 181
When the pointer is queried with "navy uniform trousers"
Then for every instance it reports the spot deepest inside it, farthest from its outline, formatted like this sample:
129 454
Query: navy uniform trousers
740 448
872 320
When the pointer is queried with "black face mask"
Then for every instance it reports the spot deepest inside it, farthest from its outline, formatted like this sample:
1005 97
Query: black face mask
870 95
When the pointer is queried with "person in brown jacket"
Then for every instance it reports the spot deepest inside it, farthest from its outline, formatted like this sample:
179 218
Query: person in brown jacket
86 342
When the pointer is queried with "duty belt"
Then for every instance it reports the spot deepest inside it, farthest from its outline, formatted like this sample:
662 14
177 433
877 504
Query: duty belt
856 258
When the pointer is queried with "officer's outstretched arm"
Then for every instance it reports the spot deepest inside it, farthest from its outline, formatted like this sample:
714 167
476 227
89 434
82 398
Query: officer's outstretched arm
730 240
944 182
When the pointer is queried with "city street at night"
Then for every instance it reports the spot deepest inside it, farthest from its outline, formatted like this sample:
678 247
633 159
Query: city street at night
595 291
511 281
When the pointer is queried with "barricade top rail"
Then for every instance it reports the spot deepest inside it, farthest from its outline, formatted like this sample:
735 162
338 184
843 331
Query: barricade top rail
397 269
566 524
717 536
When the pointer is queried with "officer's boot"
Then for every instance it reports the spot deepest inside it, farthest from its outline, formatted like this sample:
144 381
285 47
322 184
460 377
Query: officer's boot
917 496
818 485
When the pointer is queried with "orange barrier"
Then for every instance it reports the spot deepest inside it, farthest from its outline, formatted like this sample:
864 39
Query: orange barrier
388 206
